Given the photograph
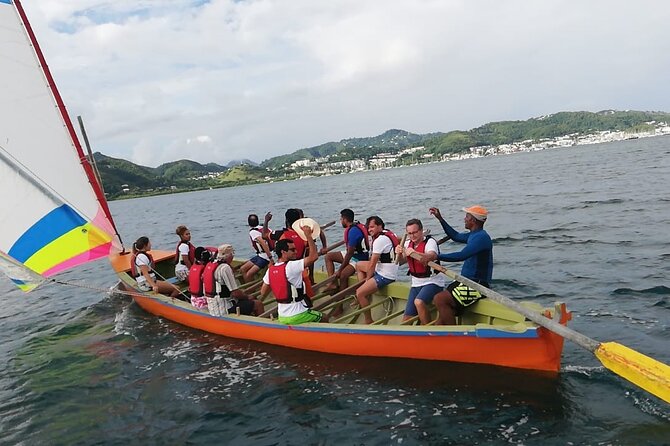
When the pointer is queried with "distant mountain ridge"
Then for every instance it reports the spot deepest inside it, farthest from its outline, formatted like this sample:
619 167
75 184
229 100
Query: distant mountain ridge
121 177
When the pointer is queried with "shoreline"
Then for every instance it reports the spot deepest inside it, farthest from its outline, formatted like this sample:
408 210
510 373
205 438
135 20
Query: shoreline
561 142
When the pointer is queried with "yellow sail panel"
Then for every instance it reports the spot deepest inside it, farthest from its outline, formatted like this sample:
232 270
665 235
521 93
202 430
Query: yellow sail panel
76 246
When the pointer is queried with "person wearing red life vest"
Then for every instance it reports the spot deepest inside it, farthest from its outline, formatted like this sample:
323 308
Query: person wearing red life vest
141 268
219 281
195 289
381 269
425 282
185 253
357 245
285 280
259 244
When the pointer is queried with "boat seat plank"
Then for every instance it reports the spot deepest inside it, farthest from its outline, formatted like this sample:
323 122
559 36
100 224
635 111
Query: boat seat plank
385 319
354 315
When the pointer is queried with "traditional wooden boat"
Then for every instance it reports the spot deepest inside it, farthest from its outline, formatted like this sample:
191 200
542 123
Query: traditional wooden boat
56 217
487 333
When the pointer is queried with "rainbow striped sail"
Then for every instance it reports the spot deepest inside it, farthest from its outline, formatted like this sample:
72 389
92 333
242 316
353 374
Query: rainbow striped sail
53 215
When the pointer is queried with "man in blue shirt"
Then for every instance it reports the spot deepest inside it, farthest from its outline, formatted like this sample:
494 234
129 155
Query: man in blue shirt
357 246
477 258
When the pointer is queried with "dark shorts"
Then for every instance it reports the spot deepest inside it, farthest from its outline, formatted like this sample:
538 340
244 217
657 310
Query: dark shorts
463 295
381 280
360 257
424 293
246 307
259 261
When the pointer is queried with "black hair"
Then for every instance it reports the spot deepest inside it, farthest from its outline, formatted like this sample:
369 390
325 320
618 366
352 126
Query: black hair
291 216
282 246
252 220
378 221
348 214
140 243
414 221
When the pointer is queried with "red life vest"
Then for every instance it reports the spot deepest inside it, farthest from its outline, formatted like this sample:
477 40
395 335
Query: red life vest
416 268
209 281
195 279
285 292
388 257
191 253
254 244
134 267
366 239
290 234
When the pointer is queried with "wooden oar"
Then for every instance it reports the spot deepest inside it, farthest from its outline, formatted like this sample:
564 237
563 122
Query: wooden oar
402 243
641 370
327 225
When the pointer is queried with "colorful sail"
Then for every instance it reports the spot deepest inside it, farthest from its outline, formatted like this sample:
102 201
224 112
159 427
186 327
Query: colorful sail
54 215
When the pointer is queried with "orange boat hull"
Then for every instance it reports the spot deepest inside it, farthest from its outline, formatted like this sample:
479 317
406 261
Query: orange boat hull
534 348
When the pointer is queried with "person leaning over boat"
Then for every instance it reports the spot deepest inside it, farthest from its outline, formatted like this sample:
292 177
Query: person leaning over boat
142 266
285 279
219 281
477 258
185 255
381 269
263 255
425 283
357 246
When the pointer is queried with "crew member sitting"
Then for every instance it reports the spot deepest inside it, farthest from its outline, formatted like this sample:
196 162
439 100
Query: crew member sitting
263 255
222 290
285 279
185 253
381 269
142 269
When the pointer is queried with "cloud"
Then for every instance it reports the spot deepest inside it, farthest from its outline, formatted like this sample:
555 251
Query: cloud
263 78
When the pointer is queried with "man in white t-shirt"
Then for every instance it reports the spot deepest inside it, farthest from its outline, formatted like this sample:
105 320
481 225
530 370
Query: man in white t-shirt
425 283
381 269
285 279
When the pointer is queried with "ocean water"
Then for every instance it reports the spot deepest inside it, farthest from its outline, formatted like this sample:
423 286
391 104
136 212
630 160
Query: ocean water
586 225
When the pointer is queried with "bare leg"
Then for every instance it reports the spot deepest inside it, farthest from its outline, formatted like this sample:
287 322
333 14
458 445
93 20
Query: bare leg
243 269
422 309
250 272
330 260
258 307
362 293
167 288
445 307
347 272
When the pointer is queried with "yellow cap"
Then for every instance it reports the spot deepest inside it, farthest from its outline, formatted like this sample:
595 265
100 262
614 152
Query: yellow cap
477 211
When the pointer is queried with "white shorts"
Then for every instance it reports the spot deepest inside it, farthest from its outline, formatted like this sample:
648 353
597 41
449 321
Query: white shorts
181 274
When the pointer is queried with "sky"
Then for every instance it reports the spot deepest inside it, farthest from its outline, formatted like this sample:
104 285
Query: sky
214 81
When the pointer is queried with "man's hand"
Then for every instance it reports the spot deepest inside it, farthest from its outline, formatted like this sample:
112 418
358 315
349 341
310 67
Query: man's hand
268 217
323 251
399 250
435 212
308 231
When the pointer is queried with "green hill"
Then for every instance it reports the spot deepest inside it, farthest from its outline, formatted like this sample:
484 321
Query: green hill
558 124
123 178
242 174
389 141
